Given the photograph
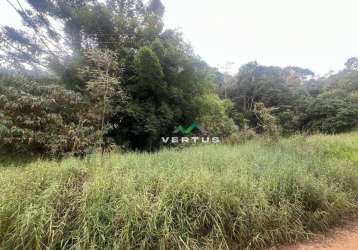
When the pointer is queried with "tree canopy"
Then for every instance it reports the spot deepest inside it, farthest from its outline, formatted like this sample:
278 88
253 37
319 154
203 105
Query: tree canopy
83 74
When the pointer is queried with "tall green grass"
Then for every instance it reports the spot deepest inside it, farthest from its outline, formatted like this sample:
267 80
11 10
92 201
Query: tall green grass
253 196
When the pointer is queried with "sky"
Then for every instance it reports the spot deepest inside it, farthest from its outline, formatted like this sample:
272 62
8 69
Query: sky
316 34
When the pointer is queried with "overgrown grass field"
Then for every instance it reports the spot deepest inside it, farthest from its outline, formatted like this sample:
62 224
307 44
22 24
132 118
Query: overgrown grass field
252 196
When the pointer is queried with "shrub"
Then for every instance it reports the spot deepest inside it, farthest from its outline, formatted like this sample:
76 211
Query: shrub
331 112
212 114
44 118
267 123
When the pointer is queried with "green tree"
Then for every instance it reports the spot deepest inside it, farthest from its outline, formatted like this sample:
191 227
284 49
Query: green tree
44 118
157 71
213 115
331 112
275 87
103 86
148 109
162 81
55 33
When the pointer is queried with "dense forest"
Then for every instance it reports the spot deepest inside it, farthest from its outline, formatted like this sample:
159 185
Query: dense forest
85 74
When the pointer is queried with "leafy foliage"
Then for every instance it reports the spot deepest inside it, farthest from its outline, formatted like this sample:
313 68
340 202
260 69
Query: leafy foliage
298 101
121 77
266 122
212 115
331 112
103 85
44 118
141 81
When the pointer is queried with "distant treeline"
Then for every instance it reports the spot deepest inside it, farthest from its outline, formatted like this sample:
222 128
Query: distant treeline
85 74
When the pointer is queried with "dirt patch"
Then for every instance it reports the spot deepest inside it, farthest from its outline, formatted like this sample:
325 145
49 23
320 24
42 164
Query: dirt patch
341 238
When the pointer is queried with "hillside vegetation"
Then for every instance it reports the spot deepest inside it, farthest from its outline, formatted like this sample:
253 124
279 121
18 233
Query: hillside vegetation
88 74
216 197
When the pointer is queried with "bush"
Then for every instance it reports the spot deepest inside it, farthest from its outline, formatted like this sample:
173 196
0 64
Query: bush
331 112
267 124
44 118
212 115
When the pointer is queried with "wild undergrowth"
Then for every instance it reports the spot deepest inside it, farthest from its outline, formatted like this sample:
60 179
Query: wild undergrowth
252 195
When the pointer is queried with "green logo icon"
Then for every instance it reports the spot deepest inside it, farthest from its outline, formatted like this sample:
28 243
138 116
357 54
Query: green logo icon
188 130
